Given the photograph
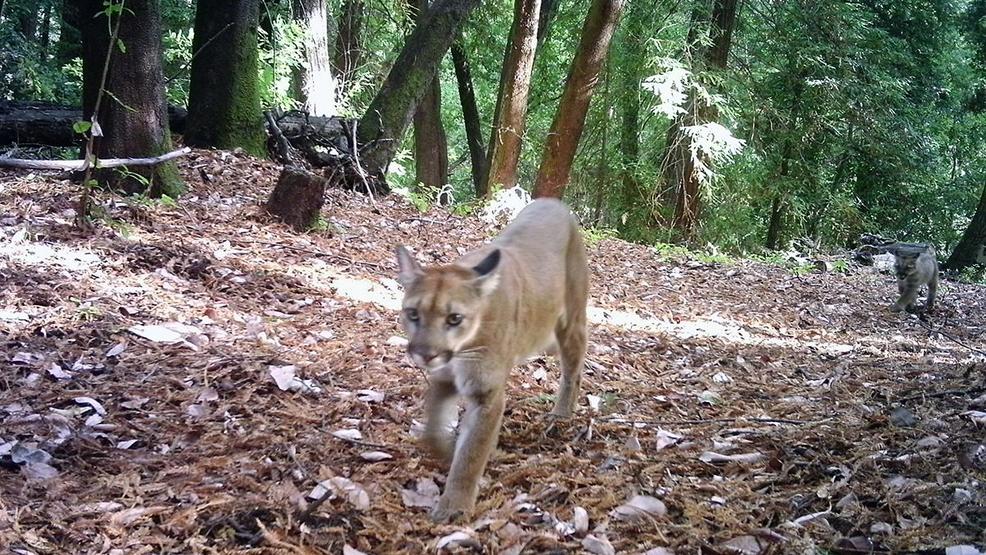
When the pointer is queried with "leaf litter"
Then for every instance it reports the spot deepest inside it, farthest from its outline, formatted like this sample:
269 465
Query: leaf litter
726 408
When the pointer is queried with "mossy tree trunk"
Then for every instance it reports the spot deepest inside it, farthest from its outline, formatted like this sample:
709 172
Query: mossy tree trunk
631 46
224 94
510 114
134 112
971 249
470 116
566 128
312 78
430 141
382 127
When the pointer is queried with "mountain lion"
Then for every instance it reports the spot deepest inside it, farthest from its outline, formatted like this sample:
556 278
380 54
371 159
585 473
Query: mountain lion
470 322
915 266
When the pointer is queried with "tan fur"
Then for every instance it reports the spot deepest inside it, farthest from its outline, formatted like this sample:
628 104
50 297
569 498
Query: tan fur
517 296
914 270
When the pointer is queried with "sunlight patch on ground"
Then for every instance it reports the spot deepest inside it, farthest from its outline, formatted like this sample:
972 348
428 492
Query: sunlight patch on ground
18 249
388 295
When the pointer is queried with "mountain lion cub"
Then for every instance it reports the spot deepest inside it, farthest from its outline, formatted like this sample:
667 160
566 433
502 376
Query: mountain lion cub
915 267
470 322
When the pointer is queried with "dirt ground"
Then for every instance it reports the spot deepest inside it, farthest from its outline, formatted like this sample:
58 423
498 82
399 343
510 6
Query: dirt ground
752 410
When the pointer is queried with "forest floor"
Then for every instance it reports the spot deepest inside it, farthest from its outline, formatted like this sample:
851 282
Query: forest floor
141 408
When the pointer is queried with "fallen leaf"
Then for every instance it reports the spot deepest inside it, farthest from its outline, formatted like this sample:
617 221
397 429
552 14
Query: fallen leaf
598 545
659 551
580 520
455 539
39 471
96 405
126 444
351 435
283 375
115 350
27 454
346 550
744 545
208 394
666 439
424 495
747 458
56 371
963 550
375 456
639 507
369 396
135 403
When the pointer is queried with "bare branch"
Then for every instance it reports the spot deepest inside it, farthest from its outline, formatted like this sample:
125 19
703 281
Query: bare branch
81 164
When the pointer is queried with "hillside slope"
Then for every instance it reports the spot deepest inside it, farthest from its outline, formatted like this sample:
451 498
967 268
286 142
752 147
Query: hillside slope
769 412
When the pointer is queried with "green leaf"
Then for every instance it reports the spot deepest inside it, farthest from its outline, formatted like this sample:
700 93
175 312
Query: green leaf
81 127
121 46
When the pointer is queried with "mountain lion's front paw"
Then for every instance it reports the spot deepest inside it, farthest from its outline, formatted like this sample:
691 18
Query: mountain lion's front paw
439 446
450 509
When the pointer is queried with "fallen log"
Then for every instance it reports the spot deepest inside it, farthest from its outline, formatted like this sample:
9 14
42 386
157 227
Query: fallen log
41 123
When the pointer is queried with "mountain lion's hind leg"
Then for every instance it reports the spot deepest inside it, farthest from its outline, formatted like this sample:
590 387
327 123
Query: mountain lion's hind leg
571 339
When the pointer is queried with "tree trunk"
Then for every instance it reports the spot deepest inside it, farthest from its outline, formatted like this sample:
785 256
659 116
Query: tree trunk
511 103
632 47
45 38
349 40
470 116
134 112
971 249
566 128
69 45
546 19
430 142
382 127
297 198
224 94
601 180
680 168
312 78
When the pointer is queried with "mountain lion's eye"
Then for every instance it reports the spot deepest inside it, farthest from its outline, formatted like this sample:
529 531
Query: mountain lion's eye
412 314
454 319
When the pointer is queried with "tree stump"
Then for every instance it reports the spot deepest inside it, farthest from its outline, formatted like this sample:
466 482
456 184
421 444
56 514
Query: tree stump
297 198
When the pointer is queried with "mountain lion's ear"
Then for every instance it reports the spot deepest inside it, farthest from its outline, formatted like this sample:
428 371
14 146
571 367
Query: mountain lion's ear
486 275
410 270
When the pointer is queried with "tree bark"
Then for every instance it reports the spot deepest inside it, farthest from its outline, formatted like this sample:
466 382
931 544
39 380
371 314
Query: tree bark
511 103
349 40
51 124
382 127
134 117
297 198
69 45
546 19
631 49
470 116
430 141
971 249
224 94
680 168
566 128
312 78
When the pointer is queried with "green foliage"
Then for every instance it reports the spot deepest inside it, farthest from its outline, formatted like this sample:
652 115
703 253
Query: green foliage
974 274
593 235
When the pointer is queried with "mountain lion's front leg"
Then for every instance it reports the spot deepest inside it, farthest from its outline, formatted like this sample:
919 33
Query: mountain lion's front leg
438 436
478 432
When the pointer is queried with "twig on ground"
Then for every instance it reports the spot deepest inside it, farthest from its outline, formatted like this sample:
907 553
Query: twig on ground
950 337
75 165
945 393
312 252
359 168
716 420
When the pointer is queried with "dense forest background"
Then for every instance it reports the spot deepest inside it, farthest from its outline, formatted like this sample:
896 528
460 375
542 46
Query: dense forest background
747 126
